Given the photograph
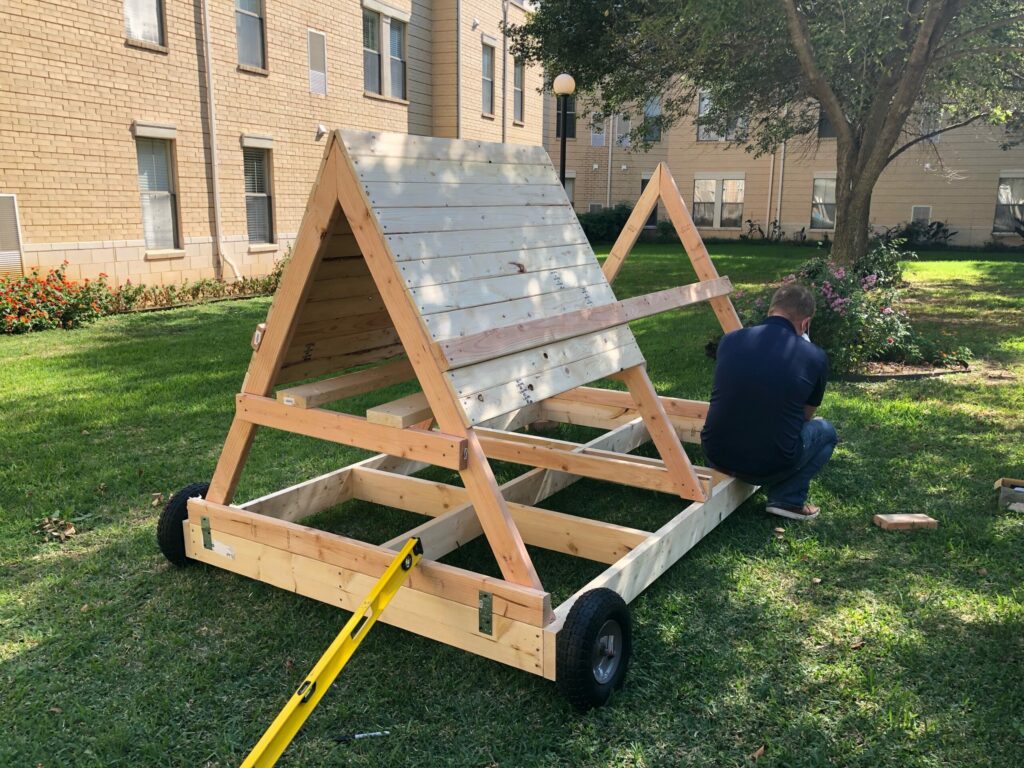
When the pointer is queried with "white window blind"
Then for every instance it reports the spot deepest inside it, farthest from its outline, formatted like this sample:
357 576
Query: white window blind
518 74
10 238
144 20
731 213
371 52
704 191
257 195
317 62
397 50
156 192
652 111
921 214
487 81
823 204
596 132
249 29
1009 204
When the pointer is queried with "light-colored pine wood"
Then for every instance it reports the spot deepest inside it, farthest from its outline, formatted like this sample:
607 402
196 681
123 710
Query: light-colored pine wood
495 518
905 521
318 366
319 393
440 244
314 329
440 271
590 539
662 434
634 225
401 145
523 335
347 288
305 350
404 194
395 221
512 642
674 406
304 499
435 448
403 412
387 169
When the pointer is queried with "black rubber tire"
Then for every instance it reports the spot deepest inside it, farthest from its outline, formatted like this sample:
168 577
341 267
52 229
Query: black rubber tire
169 533
574 657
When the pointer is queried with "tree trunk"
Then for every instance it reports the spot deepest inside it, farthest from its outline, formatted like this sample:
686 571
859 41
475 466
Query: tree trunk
853 221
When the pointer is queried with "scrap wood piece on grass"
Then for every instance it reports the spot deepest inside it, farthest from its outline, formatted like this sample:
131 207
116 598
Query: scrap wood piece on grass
905 521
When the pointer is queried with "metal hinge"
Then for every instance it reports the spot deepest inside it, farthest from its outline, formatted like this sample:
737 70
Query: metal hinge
204 523
486 604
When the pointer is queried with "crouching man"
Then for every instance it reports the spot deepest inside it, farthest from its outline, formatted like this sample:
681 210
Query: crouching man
769 379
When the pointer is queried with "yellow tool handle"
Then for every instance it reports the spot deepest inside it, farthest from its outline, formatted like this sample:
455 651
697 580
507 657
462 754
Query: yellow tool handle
302 703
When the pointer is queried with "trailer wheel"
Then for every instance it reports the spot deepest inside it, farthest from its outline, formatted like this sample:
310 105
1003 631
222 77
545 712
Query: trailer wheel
593 649
169 533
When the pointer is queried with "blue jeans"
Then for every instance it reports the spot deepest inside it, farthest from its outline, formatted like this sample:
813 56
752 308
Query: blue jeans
790 487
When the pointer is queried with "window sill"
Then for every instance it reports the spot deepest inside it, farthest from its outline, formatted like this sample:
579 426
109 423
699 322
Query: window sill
518 123
382 97
826 231
262 247
1004 234
251 70
165 254
487 115
145 45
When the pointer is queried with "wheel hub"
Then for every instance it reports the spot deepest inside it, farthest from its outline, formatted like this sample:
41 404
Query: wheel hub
606 655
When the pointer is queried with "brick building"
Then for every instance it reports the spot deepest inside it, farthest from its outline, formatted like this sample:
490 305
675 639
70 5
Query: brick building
962 178
107 110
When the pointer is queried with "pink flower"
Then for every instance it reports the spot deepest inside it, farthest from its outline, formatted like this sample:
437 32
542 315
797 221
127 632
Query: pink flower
887 310
839 274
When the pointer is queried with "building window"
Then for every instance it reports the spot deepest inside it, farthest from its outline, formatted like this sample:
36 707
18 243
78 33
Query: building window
398 59
317 62
371 52
252 50
652 220
10 237
570 189
570 116
624 127
596 132
487 81
823 203
734 130
596 207
518 75
652 111
1009 204
718 200
144 20
156 190
921 214
258 210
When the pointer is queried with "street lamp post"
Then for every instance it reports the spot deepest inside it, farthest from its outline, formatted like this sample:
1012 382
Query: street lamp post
564 86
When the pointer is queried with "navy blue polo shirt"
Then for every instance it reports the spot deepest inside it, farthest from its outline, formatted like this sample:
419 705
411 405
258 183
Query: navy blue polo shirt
764 377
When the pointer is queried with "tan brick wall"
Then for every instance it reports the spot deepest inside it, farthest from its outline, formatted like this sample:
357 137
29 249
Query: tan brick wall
957 177
71 87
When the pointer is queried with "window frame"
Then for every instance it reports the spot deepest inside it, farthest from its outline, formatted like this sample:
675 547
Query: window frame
244 66
623 128
719 179
823 176
172 182
17 234
310 32
518 92
379 26
268 183
403 58
602 131
653 134
141 42
915 207
570 133
1006 175
487 78
706 134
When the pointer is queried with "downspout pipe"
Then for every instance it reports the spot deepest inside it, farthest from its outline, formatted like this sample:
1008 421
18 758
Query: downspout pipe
458 69
504 70
782 179
219 255
609 133
771 189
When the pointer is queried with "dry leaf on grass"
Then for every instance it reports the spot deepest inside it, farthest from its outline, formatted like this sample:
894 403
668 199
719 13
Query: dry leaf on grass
856 643
758 753
55 528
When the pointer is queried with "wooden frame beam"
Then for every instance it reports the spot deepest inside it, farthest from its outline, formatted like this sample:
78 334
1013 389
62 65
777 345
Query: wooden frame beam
401 413
319 393
418 444
506 340
634 224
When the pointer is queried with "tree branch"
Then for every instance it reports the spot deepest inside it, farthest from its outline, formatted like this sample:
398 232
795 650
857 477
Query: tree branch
978 30
820 88
933 134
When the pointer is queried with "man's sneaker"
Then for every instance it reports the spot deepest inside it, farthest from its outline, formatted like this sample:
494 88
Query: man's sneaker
806 512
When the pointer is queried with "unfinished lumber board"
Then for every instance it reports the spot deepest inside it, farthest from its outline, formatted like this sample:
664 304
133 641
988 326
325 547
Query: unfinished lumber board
305 350
334 310
436 245
401 413
405 194
342 288
325 329
510 337
523 261
306 498
905 521
318 366
400 145
339 387
674 406
371 168
635 224
463 293
419 444
405 220
504 397
339 246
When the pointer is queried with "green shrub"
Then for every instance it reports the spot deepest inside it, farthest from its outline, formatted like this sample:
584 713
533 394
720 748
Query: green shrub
859 317
36 302
604 226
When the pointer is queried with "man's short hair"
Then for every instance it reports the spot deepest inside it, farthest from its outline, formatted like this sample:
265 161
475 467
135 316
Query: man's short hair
793 300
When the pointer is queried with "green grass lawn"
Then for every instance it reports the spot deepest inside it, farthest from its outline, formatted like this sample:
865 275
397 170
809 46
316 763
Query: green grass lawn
910 651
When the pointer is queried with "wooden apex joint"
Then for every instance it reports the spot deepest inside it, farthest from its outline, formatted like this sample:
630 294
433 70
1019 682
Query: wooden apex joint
905 522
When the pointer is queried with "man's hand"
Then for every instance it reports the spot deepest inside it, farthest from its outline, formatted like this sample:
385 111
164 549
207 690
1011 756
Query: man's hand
809 412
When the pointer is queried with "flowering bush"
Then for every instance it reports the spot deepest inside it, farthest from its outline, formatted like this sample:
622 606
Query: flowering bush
35 302
859 316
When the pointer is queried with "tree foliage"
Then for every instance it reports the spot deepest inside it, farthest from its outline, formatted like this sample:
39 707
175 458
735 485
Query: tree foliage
888 74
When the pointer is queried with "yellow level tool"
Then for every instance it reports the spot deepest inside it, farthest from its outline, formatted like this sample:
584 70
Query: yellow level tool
302 703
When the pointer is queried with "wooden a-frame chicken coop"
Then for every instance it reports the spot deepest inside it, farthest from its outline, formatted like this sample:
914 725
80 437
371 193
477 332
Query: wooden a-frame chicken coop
461 264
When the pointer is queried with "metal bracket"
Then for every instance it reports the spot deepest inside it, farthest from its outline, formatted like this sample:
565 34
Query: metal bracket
486 604
204 523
